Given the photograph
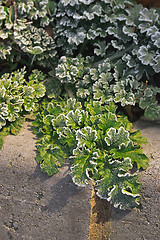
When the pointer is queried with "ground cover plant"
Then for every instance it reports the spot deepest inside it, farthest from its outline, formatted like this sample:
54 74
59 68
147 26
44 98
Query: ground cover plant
18 96
87 63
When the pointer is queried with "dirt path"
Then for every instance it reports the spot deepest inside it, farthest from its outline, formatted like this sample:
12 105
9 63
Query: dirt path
34 206
143 223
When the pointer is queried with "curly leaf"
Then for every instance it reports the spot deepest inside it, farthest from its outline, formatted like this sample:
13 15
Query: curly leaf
134 153
117 139
50 159
137 137
86 137
83 166
73 119
121 192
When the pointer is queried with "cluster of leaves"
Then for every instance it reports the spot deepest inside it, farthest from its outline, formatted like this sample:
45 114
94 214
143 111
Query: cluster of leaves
23 34
107 28
106 83
17 95
121 38
100 145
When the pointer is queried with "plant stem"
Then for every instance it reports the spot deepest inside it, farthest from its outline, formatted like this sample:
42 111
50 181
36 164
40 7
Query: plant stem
118 54
70 93
33 59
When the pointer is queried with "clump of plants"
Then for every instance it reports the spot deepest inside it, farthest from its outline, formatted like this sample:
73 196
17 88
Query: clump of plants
100 144
99 58
18 96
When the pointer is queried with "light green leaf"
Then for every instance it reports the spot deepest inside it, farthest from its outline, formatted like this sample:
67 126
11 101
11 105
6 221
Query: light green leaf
73 119
119 186
34 50
138 138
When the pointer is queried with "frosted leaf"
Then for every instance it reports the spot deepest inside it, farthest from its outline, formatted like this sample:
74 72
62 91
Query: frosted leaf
148 15
117 45
117 139
156 39
2 92
69 2
146 56
3 13
144 27
130 32
84 165
73 119
101 50
35 50
86 137
156 67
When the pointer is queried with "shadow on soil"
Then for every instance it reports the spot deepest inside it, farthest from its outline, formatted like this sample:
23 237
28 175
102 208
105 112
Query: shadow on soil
62 191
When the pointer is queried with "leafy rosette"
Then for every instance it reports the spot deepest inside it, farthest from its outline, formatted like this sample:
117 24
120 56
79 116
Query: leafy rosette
101 146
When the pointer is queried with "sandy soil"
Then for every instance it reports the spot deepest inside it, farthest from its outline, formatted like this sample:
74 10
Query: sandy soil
34 206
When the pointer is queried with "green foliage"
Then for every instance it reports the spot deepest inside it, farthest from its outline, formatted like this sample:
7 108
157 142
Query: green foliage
100 145
26 33
105 83
11 128
123 39
17 96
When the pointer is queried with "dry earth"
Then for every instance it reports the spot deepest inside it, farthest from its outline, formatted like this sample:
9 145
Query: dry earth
34 206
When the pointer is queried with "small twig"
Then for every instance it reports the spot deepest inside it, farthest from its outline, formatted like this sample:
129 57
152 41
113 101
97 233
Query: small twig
142 92
126 222
15 11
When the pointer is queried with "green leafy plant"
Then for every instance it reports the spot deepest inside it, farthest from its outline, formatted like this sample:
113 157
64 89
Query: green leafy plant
17 96
100 145
105 83
25 33
119 35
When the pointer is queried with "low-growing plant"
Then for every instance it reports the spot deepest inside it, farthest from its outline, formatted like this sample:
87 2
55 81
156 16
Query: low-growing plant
100 144
26 36
105 83
17 96
122 38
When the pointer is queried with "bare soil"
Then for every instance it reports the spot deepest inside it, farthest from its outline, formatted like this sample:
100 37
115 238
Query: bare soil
34 206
